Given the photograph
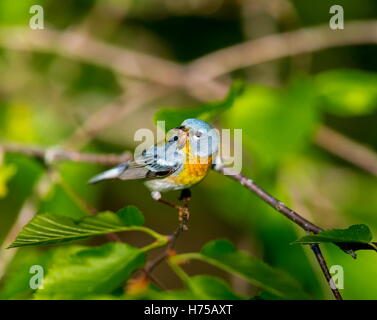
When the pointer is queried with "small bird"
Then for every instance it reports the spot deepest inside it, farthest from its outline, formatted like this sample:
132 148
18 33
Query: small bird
181 161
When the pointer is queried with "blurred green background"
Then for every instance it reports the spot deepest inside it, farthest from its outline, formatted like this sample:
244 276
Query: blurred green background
49 91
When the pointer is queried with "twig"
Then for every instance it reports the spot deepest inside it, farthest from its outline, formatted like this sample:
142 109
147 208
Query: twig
153 278
55 153
289 213
273 202
170 247
322 262
184 216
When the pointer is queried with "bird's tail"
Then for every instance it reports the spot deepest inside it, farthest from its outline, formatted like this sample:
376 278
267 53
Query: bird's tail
110 174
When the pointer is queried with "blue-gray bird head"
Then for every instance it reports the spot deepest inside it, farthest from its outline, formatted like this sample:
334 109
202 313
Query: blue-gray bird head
204 139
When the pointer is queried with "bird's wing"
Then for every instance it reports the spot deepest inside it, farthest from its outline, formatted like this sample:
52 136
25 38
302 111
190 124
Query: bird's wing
154 162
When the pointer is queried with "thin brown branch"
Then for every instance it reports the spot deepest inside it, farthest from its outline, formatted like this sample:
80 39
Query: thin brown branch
345 148
52 154
272 201
184 216
289 213
169 248
322 263
149 276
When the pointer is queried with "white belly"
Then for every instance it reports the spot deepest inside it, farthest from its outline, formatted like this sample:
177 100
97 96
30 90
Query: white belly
163 185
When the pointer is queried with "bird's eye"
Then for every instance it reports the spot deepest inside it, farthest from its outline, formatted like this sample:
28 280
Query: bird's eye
175 138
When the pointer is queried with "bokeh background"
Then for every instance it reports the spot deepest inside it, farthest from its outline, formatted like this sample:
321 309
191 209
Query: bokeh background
100 70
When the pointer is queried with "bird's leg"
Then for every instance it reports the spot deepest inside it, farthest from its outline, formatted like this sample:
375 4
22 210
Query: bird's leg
185 196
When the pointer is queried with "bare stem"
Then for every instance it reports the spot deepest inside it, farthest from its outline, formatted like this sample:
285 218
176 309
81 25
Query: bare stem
184 215
52 154
289 213
273 202
322 263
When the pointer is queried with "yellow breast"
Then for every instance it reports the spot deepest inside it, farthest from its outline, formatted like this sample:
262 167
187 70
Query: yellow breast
194 168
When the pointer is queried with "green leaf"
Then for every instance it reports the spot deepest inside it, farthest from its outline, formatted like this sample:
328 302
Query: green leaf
131 216
348 92
77 271
208 288
50 228
223 254
174 116
358 233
